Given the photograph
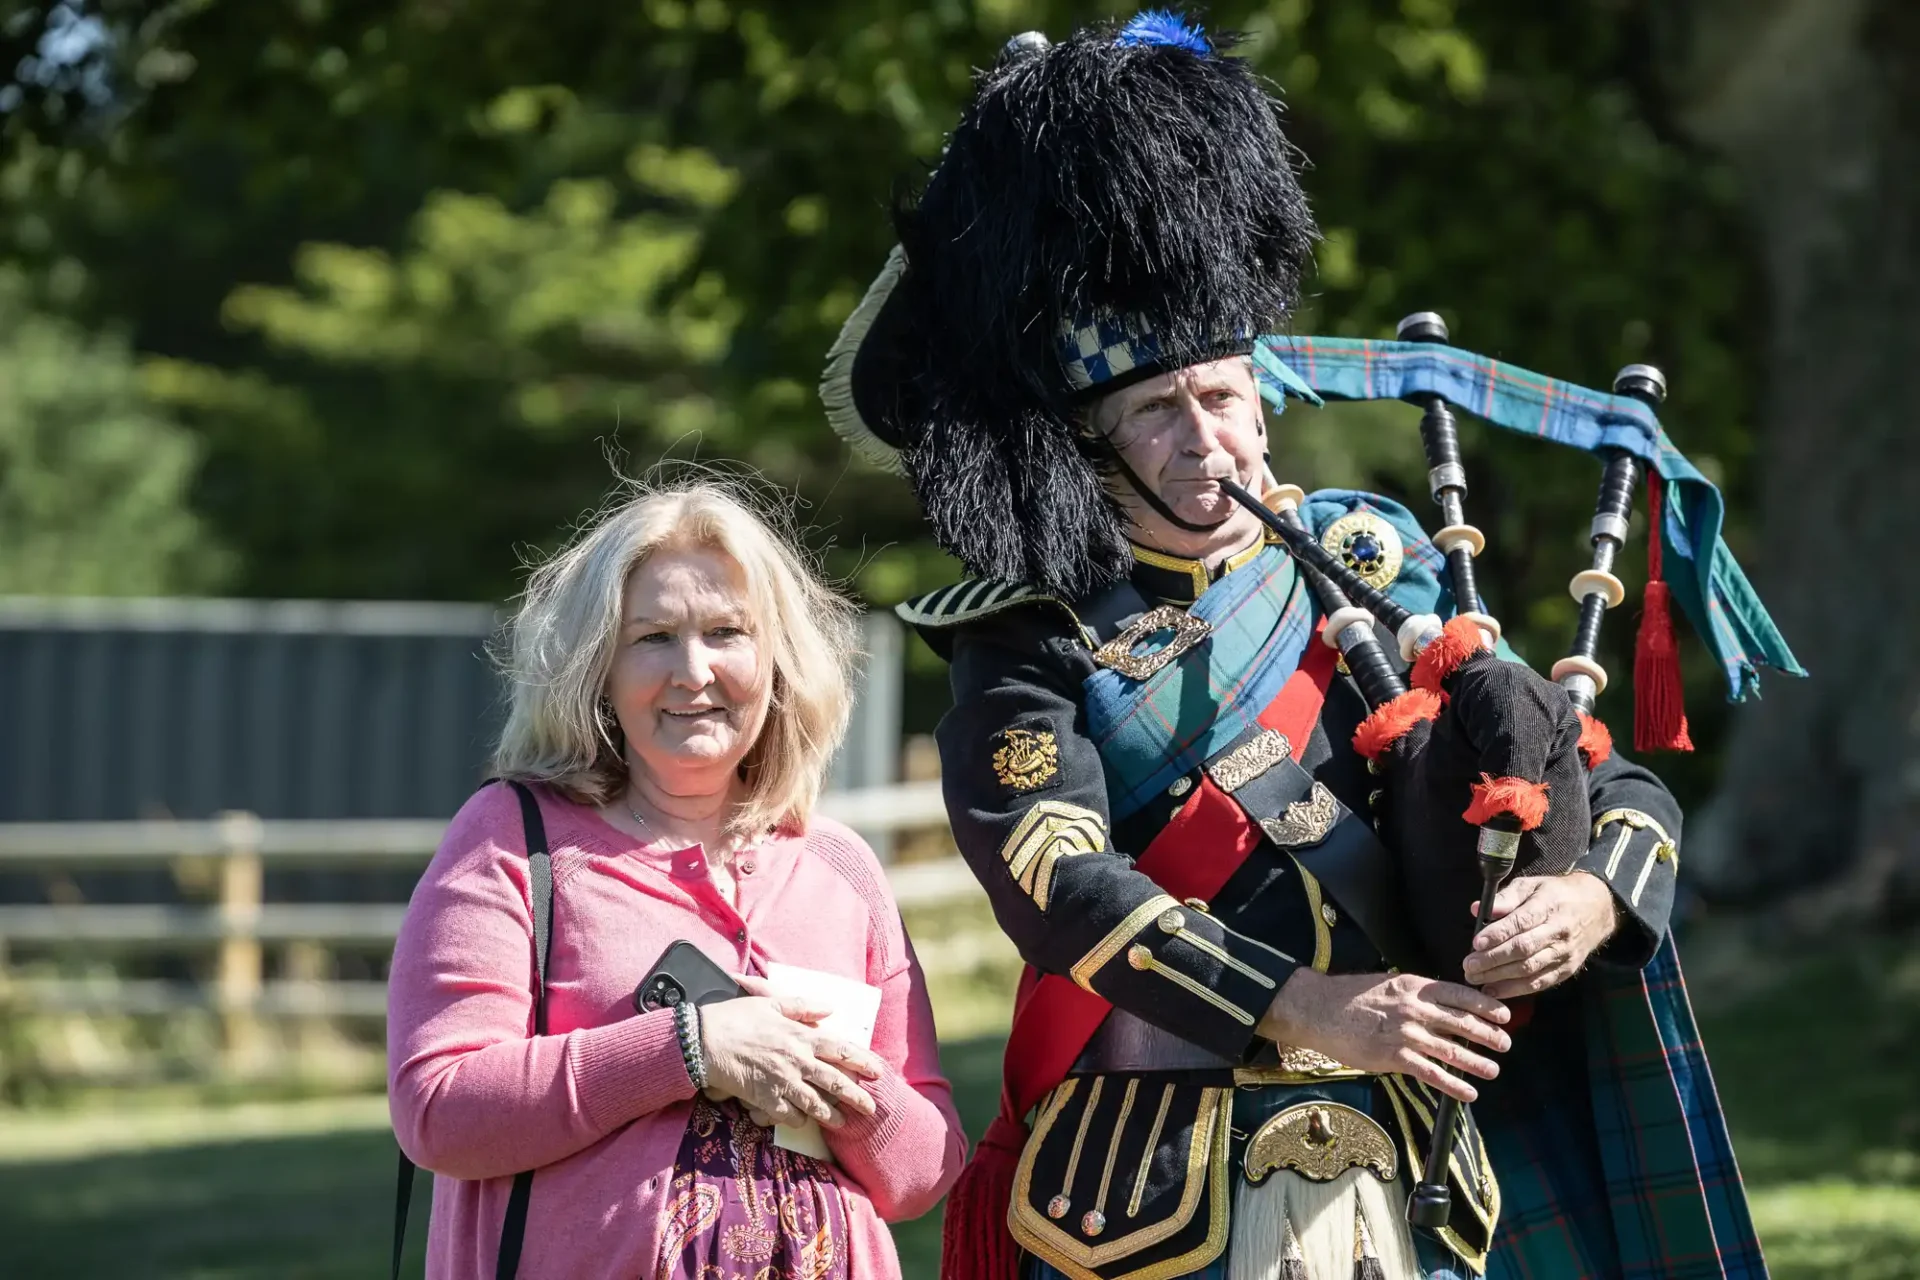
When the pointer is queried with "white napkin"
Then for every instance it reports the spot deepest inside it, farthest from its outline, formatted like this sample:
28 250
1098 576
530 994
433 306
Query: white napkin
855 1007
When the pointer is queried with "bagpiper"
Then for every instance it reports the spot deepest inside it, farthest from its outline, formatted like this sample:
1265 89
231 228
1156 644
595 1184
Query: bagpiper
1226 1059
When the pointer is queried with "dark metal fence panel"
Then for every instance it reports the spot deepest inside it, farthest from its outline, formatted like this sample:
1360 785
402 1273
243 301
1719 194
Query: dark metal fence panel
290 709
149 708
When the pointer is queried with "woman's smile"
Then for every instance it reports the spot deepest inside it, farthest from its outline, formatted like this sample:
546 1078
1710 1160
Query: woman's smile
697 715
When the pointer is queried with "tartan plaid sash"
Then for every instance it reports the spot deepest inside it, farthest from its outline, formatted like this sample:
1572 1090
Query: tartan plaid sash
1711 587
1150 732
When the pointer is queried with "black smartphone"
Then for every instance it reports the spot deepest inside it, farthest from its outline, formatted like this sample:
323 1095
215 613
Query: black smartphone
683 973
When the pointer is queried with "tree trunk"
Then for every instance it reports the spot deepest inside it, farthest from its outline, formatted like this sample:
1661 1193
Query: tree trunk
1816 106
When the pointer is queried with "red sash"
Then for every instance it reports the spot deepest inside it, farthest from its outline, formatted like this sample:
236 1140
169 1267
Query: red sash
1193 857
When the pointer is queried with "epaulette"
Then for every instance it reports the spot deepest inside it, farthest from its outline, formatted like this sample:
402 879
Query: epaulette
974 598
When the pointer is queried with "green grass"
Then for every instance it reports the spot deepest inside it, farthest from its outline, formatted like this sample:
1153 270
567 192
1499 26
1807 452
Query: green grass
1814 1064
298 1205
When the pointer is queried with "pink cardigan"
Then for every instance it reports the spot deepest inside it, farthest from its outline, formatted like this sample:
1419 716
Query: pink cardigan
599 1105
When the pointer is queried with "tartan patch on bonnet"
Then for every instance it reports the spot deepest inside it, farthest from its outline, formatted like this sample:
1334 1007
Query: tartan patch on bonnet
1095 351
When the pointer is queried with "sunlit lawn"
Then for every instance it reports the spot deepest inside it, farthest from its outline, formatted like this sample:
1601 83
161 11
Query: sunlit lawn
1815 1069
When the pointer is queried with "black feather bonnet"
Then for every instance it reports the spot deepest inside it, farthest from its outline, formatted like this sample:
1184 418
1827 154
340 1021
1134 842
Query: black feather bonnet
1109 207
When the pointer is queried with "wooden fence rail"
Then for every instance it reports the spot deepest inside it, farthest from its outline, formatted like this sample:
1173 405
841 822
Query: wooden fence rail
239 922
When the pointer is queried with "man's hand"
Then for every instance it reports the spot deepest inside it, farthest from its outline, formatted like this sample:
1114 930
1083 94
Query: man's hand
1396 1022
1543 930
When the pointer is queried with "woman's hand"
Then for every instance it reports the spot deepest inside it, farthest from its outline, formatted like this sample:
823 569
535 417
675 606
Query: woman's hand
1391 1023
766 1051
1543 930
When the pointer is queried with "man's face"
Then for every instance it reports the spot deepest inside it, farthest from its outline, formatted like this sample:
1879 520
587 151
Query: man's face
1180 433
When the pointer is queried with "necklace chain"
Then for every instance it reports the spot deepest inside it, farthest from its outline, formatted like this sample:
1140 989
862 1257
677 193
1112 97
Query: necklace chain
656 833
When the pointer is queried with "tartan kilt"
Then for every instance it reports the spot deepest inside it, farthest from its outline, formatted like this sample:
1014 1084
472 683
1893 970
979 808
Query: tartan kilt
1609 1142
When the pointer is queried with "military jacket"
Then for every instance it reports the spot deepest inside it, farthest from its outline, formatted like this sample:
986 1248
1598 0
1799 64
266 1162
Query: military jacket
1015 747
1028 795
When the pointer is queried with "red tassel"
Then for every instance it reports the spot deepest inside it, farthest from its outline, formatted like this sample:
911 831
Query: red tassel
1493 796
1596 740
1659 710
1387 723
1457 641
975 1243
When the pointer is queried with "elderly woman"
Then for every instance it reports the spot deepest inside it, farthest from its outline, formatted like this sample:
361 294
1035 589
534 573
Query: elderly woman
679 682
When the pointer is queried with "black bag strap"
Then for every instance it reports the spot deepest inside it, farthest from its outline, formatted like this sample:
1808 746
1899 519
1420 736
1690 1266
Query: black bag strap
513 1230
402 1197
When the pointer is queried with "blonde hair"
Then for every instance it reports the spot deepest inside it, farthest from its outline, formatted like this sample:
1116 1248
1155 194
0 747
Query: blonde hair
560 647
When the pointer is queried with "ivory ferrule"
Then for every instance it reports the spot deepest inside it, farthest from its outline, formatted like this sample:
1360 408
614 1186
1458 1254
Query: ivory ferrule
1416 633
1340 631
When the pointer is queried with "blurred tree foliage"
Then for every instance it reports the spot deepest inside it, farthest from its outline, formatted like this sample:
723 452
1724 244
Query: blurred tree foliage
93 479
409 269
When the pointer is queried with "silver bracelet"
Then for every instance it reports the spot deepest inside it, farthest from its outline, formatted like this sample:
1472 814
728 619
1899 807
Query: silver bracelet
686 1024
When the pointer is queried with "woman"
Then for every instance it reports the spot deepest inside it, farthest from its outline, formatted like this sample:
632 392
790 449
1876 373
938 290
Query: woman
679 680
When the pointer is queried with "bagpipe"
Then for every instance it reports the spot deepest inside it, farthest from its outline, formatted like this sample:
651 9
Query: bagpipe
1482 762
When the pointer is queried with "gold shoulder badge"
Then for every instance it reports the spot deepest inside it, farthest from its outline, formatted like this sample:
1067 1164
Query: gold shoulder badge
1027 759
1368 544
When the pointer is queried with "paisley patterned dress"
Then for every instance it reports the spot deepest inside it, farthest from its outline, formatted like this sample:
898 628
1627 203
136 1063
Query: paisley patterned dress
741 1208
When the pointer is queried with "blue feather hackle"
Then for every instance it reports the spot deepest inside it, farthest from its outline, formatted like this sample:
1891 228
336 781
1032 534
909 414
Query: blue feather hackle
1158 26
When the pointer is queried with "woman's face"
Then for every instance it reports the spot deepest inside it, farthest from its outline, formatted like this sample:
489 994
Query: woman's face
690 679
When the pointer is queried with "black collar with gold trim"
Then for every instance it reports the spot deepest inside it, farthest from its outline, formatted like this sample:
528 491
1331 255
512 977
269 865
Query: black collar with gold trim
1177 580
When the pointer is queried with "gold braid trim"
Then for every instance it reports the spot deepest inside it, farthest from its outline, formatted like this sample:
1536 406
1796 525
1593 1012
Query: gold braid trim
1116 940
1113 1145
1207 1169
1080 1137
1322 931
1146 1156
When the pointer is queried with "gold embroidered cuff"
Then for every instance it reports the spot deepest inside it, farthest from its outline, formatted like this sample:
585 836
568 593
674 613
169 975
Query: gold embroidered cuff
1173 921
1142 958
1117 939
1632 821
